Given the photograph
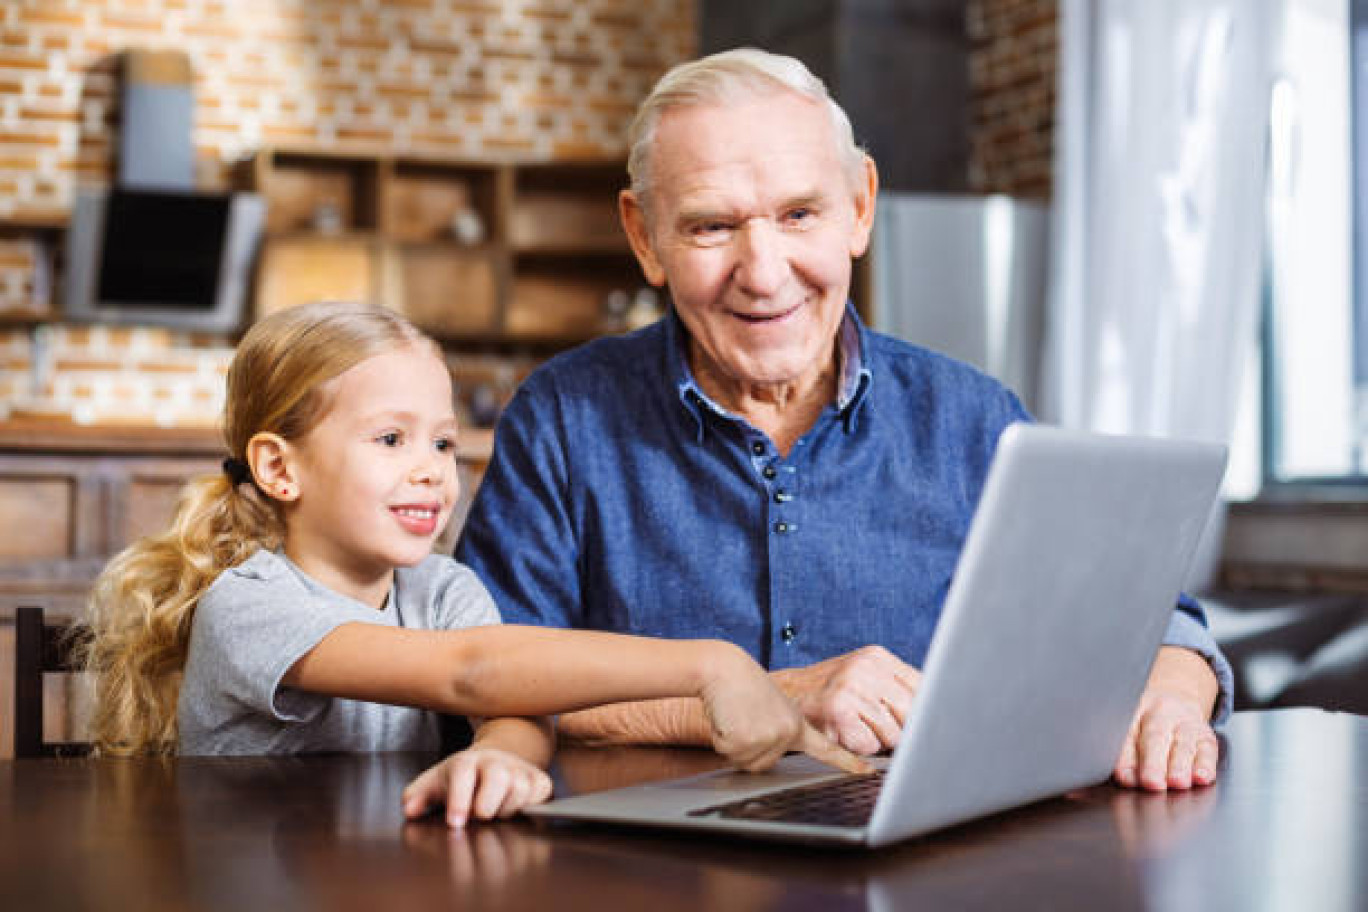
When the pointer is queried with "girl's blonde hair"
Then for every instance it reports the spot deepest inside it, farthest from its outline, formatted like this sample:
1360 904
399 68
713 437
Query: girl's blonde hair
144 600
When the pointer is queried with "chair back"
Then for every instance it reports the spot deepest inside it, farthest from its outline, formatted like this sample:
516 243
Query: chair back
40 648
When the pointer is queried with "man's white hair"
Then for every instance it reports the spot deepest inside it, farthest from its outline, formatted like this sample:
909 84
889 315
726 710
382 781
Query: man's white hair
731 76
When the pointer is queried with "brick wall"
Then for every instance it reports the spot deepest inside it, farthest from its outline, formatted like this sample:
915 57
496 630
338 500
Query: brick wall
467 78
1012 63
21 289
531 79
115 375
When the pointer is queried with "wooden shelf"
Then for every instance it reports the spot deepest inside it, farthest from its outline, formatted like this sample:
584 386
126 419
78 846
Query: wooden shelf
50 435
423 201
317 191
471 251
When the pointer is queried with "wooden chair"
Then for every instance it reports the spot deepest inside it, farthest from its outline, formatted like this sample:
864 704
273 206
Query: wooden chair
39 649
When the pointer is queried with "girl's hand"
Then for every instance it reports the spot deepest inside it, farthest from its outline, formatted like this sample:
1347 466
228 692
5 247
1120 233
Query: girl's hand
483 782
754 724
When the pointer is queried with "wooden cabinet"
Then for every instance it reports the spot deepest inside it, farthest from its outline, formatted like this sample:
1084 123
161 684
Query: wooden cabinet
69 501
470 251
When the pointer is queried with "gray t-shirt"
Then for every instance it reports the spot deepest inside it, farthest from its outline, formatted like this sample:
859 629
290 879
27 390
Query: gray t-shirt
259 618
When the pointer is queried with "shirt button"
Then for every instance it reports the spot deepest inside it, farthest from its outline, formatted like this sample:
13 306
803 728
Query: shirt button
787 633
782 497
758 448
783 528
768 472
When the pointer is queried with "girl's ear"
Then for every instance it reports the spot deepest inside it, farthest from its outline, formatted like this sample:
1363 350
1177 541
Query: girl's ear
272 464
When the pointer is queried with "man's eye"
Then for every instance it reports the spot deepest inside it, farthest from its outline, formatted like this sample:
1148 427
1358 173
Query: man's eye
798 216
709 231
389 438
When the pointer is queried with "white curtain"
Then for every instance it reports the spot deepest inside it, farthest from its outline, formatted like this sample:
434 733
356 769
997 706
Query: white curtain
1159 208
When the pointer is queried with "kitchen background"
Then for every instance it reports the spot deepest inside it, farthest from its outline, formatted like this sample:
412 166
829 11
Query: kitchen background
487 80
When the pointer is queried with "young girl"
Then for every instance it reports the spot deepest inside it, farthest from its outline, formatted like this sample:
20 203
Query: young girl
295 605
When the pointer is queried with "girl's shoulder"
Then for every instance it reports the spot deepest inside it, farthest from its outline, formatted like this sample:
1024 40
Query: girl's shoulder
445 592
264 567
263 577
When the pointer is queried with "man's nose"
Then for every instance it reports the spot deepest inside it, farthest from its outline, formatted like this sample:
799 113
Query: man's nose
760 261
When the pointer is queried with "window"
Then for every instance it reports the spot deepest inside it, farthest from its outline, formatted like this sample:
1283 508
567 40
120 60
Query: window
1314 359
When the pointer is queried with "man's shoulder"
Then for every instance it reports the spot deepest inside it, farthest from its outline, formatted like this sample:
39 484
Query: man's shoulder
607 358
609 376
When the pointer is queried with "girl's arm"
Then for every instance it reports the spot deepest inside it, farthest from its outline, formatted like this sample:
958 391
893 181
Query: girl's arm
507 670
498 775
532 739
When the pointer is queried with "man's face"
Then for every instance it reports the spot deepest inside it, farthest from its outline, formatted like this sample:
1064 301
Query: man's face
752 225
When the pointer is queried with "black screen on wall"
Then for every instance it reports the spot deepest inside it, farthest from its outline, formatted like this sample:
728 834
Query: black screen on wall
162 249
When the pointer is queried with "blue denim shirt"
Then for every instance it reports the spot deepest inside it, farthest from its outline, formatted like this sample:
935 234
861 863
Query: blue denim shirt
619 497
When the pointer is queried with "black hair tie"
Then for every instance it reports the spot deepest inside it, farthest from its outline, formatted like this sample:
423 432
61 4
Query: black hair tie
237 471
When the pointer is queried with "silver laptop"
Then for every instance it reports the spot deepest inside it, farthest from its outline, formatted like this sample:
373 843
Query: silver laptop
1067 579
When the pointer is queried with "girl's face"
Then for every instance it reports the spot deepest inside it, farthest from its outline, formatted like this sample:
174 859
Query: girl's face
376 477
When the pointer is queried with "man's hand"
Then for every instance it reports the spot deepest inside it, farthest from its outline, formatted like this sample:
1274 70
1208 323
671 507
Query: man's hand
1170 744
753 723
859 700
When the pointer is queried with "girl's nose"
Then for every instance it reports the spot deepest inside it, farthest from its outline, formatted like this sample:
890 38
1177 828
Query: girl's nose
432 469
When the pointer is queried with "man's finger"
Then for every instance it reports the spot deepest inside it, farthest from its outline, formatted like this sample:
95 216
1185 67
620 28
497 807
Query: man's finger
1125 764
820 747
883 724
908 678
1182 755
1208 754
898 709
1154 743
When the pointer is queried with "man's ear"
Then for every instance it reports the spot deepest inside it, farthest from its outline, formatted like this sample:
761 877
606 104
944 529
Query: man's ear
639 235
866 193
272 463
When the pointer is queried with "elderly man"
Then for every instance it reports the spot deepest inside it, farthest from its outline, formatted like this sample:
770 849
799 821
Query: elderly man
758 465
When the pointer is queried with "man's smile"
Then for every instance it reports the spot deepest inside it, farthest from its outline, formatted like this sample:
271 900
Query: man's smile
766 317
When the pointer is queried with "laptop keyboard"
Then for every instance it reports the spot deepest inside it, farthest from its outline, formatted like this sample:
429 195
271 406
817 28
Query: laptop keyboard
846 802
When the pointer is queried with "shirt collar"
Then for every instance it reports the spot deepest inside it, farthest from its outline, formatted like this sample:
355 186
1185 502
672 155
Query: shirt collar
854 382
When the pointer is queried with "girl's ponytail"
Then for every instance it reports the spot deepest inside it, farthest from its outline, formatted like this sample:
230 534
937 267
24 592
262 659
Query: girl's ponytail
143 603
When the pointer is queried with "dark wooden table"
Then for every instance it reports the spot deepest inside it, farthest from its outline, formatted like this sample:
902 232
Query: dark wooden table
1286 827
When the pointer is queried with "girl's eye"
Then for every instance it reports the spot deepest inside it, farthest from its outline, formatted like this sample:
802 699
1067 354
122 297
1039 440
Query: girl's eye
389 438
444 444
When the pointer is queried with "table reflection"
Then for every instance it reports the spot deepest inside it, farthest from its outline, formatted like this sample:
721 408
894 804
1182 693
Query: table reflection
1284 828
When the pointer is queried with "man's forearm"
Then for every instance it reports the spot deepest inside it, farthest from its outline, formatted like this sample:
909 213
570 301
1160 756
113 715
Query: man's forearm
677 720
